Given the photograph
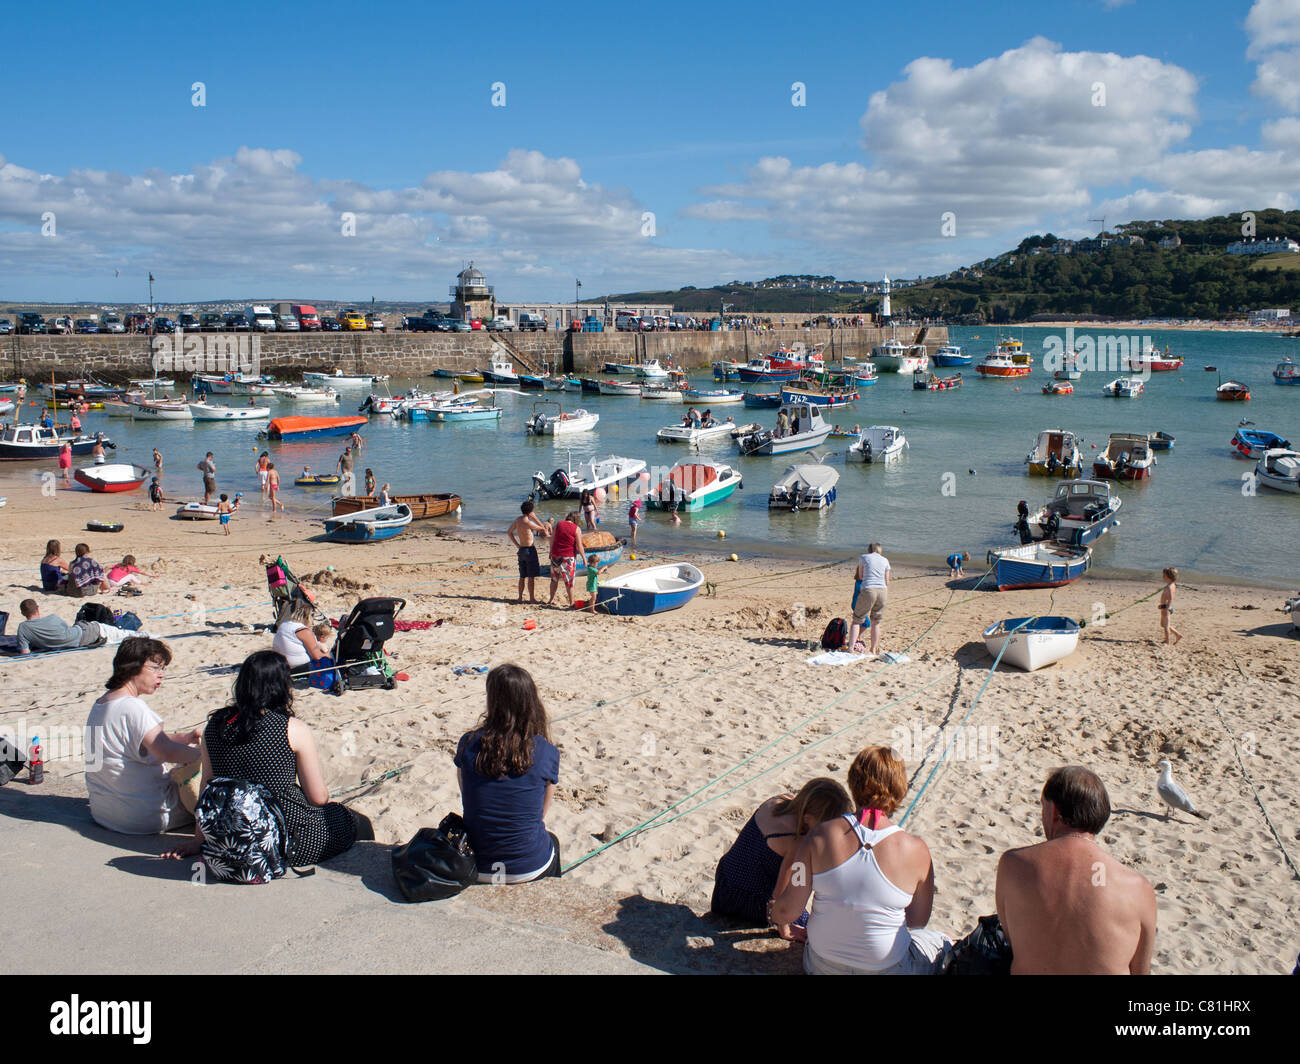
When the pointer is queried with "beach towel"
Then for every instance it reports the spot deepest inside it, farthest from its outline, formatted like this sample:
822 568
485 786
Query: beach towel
835 657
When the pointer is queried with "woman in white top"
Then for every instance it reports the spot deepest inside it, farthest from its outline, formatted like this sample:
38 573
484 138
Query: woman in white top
126 747
295 641
872 883
872 583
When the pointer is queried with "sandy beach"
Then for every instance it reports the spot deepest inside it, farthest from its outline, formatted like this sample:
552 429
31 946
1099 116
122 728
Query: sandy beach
674 728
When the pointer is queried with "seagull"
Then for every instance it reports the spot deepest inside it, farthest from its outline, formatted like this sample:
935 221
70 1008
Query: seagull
1173 795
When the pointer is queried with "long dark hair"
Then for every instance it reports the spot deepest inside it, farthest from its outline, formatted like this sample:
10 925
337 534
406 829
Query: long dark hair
262 686
133 654
514 719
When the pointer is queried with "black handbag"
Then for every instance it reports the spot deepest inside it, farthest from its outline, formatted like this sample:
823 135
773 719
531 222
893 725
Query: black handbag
438 863
12 761
985 951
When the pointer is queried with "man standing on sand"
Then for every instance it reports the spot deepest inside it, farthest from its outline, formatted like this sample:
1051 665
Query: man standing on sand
521 535
345 467
1066 906
209 470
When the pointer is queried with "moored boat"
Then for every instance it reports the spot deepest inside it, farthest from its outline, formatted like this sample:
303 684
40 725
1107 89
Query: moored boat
805 486
932 382
559 423
807 429
1232 391
204 412
422 507
151 411
877 443
1127 456
865 375
1041 564
1153 360
112 478
712 396
952 355
691 431
1031 643
762 399
1124 388
1255 443
500 371
1161 441
694 484
368 526
628 389
307 428
649 591
1058 388
1080 513
1279 470
26 442
593 473
1286 372
997 365
1056 453
826 397
338 379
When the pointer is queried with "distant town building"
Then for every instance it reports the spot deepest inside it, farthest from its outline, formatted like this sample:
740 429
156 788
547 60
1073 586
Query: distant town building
1168 243
1275 316
1269 246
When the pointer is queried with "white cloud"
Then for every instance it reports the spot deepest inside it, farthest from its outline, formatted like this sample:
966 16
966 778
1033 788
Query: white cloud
1273 29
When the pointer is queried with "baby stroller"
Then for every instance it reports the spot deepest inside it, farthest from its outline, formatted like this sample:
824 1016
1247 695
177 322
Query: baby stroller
359 647
286 592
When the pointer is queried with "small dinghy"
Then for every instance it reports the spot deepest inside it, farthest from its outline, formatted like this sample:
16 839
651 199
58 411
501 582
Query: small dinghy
559 423
369 526
1127 457
98 526
628 389
1030 643
649 591
810 486
712 396
204 412
1042 564
196 511
879 443
1233 392
1161 441
1058 388
1124 388
1280 470
422 507
112 477
1253 443
317 480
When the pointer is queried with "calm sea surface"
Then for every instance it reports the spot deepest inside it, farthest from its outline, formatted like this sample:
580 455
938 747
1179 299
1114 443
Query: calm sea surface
1192 513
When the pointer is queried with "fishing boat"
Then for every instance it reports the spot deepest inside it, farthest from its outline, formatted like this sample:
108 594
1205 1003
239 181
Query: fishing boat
1232 391
204 412
594 473
712 396
1080 513
197 511
895 357
1056 453
230 384
952 355
1058 388
1124 388
500 371
559 423
318 480
158 411
650 370
87 388
1286 372
1161 441
112 478
553 384
153 382
574 384
765 370
649 591
807 429
338 379
825 397
616 369
691 431
726 370
453 411
422 507
1152 360
368 526
293 394
1254 443
1069 370
932 382
999 365
694 484
1128 456
1041 564
865 375
470 378
1031 643
1014 350
532 382
26 442
589 384
661 393
627 389
310 428
762 399
1280 470
878 443
806 486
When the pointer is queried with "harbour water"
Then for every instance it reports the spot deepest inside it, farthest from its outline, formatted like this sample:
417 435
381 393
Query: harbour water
955 488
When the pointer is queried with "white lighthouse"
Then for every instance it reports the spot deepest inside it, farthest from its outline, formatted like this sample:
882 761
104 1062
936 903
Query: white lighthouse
884 300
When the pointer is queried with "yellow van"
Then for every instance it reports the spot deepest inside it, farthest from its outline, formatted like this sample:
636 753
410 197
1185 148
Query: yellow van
353 321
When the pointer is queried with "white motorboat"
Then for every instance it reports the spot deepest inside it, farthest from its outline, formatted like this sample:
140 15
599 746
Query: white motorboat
501 370
810 486
204 412
594 473
1280 470
559 423
878 443
1124 388
339 379
691 431
625 388
1030 643
650 370
661 393
153 382
694 484
1128 456
895 357
6 406
151 411
1056 453
292 393
807 429
627 369
230 384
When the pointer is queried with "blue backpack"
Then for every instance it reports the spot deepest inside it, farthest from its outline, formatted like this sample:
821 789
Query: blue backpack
245 838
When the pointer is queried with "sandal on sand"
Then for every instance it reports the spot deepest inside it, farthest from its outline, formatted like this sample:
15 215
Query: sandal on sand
859 647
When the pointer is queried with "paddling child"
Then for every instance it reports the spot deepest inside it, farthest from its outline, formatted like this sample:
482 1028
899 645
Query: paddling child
65 462
224 510
156 494
1166 606
370 483
593 582
634 517
157 462
273 487
955 564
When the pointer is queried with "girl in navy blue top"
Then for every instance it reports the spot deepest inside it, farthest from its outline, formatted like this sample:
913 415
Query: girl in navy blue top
507 770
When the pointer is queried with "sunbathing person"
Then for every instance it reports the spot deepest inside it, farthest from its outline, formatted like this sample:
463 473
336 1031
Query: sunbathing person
507 770
1067 907
54 570
874 883
126 747
757 867
37 634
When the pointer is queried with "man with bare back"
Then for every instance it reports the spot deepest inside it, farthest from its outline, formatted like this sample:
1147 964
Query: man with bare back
521 535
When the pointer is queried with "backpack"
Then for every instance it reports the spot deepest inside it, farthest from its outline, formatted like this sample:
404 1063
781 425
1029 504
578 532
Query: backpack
95 611
245 838
438 863
985 951
836 634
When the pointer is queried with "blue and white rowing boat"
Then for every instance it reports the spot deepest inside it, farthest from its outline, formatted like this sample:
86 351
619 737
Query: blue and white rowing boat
1029 643
1041 564
649 591
1254 443
369 526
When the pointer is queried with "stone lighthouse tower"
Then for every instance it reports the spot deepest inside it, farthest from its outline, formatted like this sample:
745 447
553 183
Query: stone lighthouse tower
884 301
472 296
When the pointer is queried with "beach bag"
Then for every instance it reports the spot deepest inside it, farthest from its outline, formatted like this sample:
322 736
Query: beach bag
323 674
438 863
836 634
985 951
245 838
95 611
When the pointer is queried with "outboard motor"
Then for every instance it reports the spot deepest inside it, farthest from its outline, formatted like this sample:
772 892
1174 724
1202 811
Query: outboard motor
537 425
1052 525
559 484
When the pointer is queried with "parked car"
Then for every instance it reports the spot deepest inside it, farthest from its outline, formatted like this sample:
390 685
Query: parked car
6 327
501 323
30 324
329 324
353 321
162 324
237 322
212 322
60 326
189 323
86 327
457 324
475 323
111 323
375 322
533 323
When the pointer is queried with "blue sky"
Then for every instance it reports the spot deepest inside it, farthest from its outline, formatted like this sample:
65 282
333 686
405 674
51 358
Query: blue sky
613 111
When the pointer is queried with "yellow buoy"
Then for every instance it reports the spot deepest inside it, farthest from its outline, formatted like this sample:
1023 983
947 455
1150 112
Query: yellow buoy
735 557
722 533
631 557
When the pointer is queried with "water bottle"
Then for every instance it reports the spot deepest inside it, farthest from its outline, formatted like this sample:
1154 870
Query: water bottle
35 766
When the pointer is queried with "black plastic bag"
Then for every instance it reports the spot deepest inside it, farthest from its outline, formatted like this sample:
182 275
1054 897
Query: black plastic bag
438 863
985 951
